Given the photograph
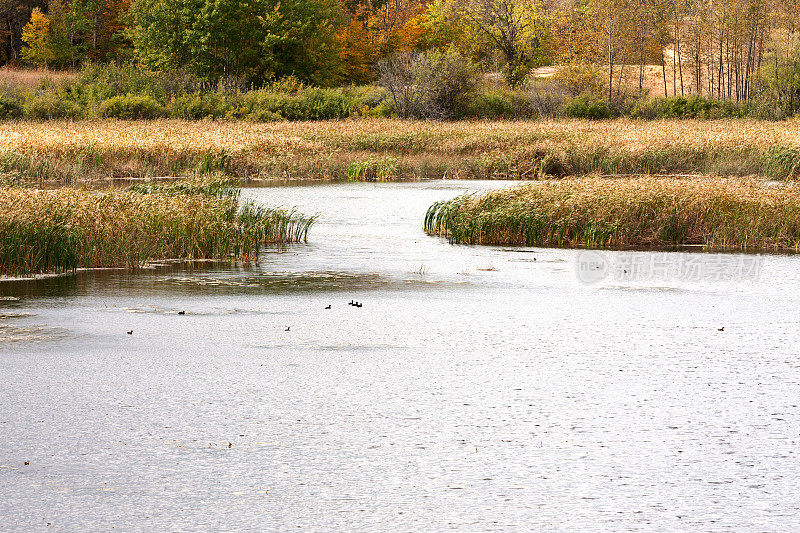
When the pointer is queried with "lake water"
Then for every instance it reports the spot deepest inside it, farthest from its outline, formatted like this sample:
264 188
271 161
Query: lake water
477 389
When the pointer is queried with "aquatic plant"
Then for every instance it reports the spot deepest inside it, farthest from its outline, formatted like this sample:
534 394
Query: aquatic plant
372 170
626 212
60 230
211 186
69 152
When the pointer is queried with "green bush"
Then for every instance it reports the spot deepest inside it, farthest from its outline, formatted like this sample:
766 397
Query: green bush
199 106
683 107
263 115
382 110
769 109
439 85
130 107
367 97
499 104
9 107
262 105
97 83
328 104
51 105
307 104
588 108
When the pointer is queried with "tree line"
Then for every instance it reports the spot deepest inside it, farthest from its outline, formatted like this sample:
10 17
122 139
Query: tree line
726 49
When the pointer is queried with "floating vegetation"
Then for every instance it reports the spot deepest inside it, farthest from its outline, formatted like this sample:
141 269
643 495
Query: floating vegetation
621 213
22 333
280 282
14 334
53 231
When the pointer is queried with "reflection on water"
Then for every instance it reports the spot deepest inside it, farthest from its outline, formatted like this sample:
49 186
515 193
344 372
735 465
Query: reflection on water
57 286
477 388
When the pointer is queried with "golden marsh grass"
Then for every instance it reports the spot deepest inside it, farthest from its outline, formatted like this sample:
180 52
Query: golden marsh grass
59 230
630 212
66 151
32 78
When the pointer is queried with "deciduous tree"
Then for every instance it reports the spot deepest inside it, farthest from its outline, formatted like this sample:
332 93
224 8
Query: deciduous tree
36 34
516 29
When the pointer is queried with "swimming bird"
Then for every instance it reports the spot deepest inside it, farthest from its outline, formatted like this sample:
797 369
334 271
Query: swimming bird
358 304
287 328
130 332
721 329
351 303
328 307
181 312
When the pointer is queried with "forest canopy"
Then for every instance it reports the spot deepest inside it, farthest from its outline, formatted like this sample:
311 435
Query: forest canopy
724 49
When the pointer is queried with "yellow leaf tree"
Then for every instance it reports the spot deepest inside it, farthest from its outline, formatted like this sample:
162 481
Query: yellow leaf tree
36 34
514 29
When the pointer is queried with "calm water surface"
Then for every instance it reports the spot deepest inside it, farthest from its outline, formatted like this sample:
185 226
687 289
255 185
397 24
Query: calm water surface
477 389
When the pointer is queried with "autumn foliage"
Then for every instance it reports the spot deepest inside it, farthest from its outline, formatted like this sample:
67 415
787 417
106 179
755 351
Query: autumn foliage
738 50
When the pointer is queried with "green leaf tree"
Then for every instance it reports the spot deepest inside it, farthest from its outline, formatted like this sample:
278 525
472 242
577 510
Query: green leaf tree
252 39
62 52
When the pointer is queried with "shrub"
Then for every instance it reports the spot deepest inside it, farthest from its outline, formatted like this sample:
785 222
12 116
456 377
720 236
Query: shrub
97 83
195 107
499 103
777 85
263 115
581 79
9 107
692 107
368 95
130 107
368 98
382 110
322 104
769 109
429 85
546 97
254 105
308 104
588 108
397 76
51 105
288 85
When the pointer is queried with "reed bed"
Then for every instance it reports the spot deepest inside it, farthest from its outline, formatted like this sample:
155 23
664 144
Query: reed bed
626 213
385 149
54 231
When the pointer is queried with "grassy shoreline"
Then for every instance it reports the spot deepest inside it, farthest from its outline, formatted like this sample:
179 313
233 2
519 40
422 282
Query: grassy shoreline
64 152
642 212
56 231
